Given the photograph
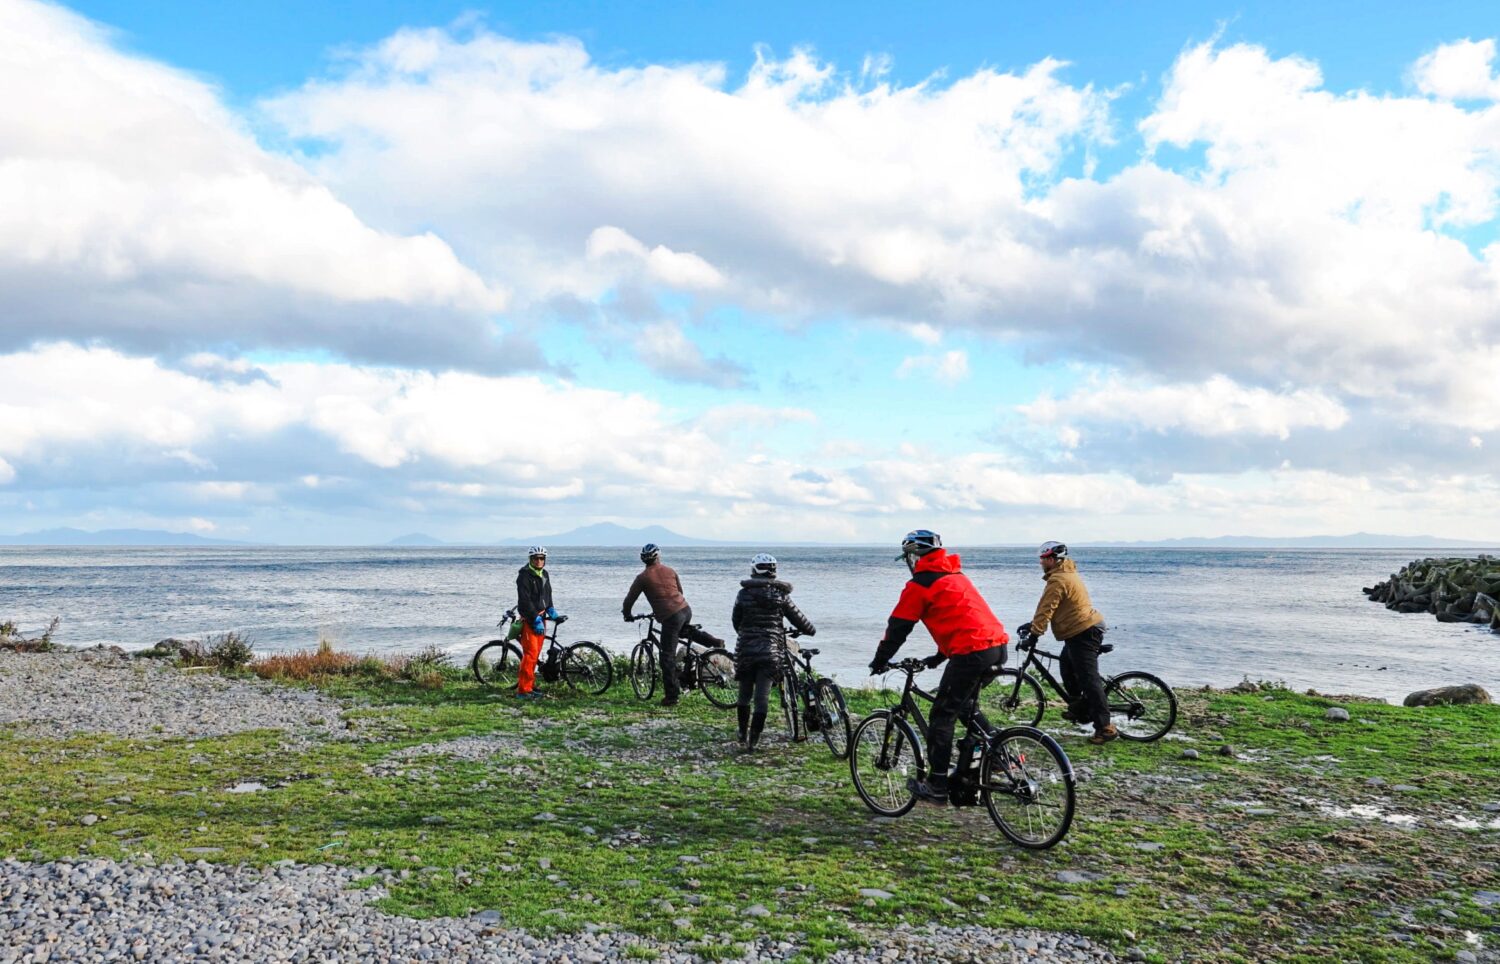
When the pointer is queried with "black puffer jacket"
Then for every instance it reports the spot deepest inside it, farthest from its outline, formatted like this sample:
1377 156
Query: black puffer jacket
759 611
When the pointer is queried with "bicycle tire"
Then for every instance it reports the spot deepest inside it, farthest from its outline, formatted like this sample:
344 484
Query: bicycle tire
834 717
1026 783
717 683
643 670
884 756
1013 699
587 667
496 664
1141 706
788 701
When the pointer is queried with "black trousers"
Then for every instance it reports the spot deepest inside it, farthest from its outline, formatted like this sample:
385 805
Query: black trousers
756 674
1079 664
672 627
956 694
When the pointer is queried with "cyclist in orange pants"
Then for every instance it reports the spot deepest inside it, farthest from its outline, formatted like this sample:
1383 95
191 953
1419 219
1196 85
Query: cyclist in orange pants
534 602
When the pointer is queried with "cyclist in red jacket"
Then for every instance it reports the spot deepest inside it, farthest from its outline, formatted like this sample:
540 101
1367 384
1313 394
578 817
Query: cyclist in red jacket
968 637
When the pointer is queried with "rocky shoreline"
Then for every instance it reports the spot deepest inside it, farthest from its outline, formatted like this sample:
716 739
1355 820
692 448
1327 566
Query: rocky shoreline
1455 590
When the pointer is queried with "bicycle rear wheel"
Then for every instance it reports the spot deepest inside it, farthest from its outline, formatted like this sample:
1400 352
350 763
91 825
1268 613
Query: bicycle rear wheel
884 757
1013 699
1141 706
833 718
586 666
1026 782
716 678
643 670
497 663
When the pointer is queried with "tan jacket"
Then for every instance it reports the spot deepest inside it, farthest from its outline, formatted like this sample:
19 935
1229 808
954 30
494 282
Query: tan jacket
1065 604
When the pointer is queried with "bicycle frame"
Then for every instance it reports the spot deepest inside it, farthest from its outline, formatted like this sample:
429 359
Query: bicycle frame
1032 661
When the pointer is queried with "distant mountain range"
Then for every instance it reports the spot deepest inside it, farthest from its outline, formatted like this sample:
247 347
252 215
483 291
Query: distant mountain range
113 537
1358 540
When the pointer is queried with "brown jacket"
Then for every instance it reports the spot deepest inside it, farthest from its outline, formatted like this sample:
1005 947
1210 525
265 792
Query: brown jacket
662 588
1065 604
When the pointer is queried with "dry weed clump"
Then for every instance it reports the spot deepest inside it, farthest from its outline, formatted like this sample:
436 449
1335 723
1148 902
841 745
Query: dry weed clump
11 638
429 669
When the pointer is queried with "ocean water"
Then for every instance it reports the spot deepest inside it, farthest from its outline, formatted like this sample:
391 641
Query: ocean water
1192 616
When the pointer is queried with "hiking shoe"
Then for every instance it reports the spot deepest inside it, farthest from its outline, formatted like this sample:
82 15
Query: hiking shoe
927 793
1103 736
670 701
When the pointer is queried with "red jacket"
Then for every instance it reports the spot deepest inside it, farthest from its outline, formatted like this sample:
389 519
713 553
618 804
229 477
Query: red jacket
946 602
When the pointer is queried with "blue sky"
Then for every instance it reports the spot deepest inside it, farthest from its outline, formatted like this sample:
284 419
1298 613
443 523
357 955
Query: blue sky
332 273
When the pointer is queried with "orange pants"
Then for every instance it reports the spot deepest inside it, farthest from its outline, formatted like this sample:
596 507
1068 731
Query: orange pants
531 648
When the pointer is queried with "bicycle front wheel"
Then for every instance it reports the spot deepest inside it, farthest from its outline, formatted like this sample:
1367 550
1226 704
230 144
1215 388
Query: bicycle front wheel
789 715
643 670
1013 699
833 717
1026 782
587 667
1142 707
884 758
496 664
716 678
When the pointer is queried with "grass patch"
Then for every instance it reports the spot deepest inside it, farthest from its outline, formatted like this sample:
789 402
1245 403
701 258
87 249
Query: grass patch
605 810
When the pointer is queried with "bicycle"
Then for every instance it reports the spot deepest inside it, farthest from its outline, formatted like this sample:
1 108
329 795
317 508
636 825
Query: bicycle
1020 774
582 665
823 708
1141 706
711 670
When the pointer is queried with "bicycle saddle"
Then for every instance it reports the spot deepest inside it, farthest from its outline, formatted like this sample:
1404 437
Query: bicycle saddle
1107 648
809 651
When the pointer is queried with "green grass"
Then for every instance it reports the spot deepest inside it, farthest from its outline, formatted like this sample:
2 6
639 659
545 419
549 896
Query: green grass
635 789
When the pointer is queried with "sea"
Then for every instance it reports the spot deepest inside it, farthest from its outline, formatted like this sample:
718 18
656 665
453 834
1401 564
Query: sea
1193 616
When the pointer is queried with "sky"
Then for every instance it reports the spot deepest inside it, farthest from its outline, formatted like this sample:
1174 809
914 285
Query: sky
334 273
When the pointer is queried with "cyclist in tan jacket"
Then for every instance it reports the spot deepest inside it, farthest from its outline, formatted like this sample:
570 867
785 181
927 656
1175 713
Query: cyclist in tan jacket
1066 607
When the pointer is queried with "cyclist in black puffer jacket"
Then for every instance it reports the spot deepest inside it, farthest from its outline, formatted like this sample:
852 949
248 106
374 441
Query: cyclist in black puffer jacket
761 610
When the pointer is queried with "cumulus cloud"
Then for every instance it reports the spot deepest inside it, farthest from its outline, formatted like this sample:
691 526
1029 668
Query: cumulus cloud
1311 251
136 207
676 269
1459 71
672 355
341 439
1216 407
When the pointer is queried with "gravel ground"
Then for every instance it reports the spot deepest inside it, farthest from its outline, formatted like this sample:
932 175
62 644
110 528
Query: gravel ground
103 691
97 910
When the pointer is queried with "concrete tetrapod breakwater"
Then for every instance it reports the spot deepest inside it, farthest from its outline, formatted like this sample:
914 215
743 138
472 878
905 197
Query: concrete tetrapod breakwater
1453 589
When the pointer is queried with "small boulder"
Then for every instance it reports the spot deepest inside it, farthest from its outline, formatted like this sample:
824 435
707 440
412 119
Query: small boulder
875 893
1445 695
1226 750
1337 714
1190 754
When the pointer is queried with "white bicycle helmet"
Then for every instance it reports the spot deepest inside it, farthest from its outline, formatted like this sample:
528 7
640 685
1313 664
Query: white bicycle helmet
1052 550
764 564
535 551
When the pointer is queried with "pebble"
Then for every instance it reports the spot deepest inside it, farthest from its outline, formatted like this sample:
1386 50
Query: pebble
1190 754
757 910
875 893
147 698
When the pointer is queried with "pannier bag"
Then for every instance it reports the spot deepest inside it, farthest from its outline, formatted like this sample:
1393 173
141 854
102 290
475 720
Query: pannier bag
552 668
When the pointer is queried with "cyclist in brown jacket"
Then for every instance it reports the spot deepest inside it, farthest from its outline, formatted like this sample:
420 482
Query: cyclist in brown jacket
1066 606
663 590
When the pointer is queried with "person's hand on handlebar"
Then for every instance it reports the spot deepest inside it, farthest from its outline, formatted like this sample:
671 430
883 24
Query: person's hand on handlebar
934 661
878 666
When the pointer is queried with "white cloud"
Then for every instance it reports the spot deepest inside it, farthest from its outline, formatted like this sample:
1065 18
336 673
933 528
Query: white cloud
135 206
672 355
949 368
1213 408
675 269
1459 71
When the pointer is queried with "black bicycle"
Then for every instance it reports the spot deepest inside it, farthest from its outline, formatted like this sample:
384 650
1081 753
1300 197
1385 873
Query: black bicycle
1141 706
1019 773
710 670
823 709
582 665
